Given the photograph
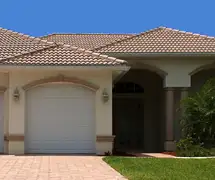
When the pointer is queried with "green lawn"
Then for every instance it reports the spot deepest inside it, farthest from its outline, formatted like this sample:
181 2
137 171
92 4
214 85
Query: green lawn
163 169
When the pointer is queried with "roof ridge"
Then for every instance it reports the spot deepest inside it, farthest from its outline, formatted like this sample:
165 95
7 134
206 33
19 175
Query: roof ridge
127 38
48 35
188 32
152 30
45 36
160 27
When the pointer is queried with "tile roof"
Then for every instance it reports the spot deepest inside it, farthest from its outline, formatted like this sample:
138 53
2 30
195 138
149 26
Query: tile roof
20 49
64 55
13 43
162 40
86 41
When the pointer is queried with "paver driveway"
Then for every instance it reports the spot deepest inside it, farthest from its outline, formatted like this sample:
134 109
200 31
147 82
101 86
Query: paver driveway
56 168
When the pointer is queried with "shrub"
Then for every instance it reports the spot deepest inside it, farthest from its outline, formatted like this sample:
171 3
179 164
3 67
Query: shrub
184 144
108 153
186 148
198 121
196 151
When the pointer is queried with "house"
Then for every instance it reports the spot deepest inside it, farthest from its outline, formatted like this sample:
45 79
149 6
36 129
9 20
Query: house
91 93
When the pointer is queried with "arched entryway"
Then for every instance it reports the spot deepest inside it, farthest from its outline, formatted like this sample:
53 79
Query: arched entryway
138 117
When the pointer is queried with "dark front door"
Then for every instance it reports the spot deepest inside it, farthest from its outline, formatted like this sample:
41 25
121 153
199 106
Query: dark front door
128 123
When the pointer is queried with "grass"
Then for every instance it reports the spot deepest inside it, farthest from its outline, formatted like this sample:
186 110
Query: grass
163 169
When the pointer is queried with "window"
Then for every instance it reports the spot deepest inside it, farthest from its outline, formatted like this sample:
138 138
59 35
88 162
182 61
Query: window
127 87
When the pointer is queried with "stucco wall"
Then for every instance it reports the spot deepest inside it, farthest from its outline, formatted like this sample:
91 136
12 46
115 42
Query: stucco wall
19 78
4 80
15 147
177 75
177 70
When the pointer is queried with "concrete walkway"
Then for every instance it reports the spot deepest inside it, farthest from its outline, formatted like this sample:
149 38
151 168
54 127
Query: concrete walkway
56 168
161 155
158 155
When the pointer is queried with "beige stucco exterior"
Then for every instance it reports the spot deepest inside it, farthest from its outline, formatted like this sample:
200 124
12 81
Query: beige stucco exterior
176 71
14 113
178 74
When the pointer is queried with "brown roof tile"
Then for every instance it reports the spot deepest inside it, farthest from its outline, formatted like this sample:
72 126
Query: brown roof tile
13 43
20 49
63 55
162 40
86 41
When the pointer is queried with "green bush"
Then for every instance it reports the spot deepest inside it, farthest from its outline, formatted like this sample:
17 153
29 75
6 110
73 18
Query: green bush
184 144
213 151
186 148
198 121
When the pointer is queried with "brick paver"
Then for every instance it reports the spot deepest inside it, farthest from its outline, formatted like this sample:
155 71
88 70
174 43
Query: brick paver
56 168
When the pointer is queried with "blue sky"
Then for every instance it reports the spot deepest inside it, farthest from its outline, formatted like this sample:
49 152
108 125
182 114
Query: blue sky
41 17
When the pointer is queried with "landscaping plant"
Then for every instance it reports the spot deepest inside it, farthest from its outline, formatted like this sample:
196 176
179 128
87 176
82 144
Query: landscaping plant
198 121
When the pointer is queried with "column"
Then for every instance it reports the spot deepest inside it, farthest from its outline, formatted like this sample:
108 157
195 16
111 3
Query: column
184 92
169 144
16 119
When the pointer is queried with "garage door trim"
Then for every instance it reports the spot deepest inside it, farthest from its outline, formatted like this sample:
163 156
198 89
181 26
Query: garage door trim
62 79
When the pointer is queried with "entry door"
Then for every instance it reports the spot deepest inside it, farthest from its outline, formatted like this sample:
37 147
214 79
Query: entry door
1 124
128 123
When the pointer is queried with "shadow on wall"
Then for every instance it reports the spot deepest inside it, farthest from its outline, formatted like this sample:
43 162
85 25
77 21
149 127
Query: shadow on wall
138 116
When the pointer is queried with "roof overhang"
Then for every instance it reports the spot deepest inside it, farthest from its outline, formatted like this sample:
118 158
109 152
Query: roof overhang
31 67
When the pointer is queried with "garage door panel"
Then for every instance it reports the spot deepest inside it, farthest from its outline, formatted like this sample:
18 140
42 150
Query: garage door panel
71 91
72 133
60 119
62 146
75 135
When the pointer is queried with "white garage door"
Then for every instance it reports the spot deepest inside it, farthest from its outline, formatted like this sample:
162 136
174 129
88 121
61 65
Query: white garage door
60 119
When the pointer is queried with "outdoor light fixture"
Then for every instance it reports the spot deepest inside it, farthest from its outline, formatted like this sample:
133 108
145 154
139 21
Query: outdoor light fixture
105 96
16 94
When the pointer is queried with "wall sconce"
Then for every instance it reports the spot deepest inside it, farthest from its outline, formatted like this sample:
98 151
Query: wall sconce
105 96
16 94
